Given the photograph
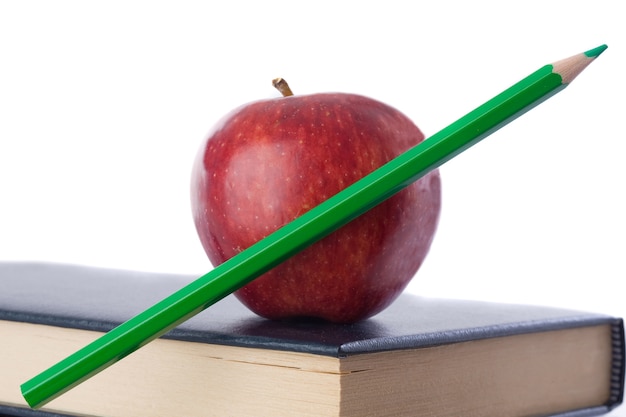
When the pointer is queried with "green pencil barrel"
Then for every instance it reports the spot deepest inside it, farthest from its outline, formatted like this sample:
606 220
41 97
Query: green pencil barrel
295 236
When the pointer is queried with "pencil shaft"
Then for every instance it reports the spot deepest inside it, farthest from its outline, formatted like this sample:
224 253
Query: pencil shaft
295 236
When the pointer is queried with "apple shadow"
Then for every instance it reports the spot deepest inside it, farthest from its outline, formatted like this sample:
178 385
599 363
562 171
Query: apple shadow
231 323
409 322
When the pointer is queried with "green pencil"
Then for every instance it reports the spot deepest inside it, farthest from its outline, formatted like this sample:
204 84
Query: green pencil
305 230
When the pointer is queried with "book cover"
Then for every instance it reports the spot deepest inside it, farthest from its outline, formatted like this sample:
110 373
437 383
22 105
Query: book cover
96 299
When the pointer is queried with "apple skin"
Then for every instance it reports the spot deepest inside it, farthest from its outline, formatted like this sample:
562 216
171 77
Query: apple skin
270 161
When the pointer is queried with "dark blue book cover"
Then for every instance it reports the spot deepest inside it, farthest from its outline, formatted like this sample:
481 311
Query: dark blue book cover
98 299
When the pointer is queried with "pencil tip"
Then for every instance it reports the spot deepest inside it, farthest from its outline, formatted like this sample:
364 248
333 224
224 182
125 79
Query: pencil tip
569 68
595 52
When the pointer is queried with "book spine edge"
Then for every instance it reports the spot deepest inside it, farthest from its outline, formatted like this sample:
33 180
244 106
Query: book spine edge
618 364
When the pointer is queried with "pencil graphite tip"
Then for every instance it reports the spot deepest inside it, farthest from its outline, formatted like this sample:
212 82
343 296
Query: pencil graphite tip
569 68
595 52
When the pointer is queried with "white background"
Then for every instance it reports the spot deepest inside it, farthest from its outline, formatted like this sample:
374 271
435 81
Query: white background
103 106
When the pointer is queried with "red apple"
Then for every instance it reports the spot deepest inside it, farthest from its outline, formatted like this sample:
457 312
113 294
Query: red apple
270 161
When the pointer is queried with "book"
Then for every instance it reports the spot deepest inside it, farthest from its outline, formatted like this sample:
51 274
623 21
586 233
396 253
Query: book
419 357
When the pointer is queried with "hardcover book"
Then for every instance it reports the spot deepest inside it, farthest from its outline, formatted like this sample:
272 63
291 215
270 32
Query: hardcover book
419 357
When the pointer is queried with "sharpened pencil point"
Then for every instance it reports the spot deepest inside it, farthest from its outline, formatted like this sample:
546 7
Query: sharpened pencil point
595 52
569 68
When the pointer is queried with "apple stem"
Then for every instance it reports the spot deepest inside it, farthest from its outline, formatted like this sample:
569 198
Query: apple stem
281 85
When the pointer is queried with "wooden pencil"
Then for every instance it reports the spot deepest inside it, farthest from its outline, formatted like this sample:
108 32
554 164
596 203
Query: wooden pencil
305 230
